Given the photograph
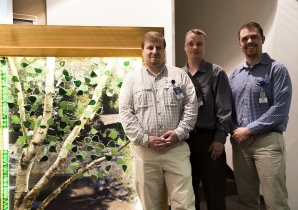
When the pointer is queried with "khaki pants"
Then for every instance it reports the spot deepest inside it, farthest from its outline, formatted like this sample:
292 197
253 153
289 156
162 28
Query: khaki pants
262 163
152 169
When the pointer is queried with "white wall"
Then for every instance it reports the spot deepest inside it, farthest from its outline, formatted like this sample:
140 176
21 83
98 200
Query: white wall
153 13
221 21
6 12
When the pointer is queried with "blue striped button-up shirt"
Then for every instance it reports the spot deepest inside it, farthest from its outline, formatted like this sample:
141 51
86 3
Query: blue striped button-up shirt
268 76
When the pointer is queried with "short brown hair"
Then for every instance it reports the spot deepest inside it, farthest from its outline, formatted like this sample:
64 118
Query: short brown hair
153 36
251 25
197 32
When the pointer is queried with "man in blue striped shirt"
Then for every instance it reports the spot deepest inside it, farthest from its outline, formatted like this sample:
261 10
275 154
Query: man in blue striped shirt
262 92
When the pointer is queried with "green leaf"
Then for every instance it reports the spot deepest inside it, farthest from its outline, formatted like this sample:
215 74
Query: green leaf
95 138
15 119
126 63
36 91
43 126
16 90
21 140
68 78
113 134
61 91
110 92
60 133
114 151
119 141
87 114
69 92
62 63
102 146
77 83
79 175
93 131
89 148
84 154
108 157
52 149
65 119
93 178
100 174
84 88
77 122
61 84
50 121
62 125
58 74
27 107
15 79
10 99
99 110
68 147
124 167
32 99
52 143
92 102
108 168
73 160
120 161
80 92
30 70
87 140
38 70
65 73
63 104
98 150
16 128
24 65
10 105
87 80
69 169
71 106
26 124
60 112
93 157
107 72
76 165
111 143
34 107
79 157
29 90
44 159
32 113
74 149
25 146
93 74
120 84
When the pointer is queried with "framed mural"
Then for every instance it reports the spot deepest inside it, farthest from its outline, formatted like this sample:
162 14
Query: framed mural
61 141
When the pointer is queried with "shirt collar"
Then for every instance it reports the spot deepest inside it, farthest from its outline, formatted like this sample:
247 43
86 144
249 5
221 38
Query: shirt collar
202 68
263 60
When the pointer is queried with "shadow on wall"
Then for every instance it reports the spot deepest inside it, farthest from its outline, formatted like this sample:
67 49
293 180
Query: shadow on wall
221 21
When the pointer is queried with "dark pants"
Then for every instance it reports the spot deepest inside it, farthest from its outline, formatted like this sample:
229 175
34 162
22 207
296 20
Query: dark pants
211 173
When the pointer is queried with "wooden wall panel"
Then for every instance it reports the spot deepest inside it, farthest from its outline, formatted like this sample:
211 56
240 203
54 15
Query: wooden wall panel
72 41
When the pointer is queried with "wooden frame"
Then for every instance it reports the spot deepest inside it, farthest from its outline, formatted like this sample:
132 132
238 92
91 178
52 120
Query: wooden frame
72 41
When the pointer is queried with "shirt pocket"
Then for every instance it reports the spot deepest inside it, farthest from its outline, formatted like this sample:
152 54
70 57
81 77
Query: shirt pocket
170 97
142 96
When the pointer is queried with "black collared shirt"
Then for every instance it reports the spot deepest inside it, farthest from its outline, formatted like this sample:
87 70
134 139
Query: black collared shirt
211 82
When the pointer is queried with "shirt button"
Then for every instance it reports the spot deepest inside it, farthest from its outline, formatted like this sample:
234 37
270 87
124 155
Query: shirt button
244 106
158 113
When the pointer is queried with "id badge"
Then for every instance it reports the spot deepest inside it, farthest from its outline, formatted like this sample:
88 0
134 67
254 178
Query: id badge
177 92
200 100
262 97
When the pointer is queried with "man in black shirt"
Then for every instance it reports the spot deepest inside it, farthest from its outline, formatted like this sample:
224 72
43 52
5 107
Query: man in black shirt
214 122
